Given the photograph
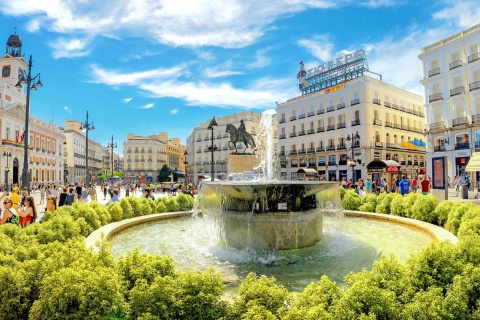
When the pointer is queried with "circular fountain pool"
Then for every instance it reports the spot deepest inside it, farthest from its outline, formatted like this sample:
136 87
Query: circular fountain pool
348 244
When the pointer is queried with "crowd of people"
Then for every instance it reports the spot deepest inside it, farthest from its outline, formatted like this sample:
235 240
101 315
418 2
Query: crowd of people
401 185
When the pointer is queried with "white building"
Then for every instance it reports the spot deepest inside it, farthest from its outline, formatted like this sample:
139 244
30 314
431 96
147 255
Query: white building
451 80
45 140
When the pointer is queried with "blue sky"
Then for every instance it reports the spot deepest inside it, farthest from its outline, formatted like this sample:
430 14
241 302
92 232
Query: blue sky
146 66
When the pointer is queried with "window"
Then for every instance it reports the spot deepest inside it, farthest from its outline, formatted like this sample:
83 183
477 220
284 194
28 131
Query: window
476 75
455 57
457 82
7 133
433 64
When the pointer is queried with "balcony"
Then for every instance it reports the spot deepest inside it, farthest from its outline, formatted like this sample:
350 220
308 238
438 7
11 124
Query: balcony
332 163
330 148
331 108
312 165
321 129
282 120
293 134
462 145
408 110
457 91
376 101
355 122
310 150
342 162
435 97
439 148
330 127
320 111
404 127
301 133
310 131
474 57
341 146
437 125
476 118
391 145
377 122
303 164
294 165
401 108
282 136
388 124
387 104
354 102
395 106
341 125
293 118
293 152
311 113
459 122
302 116
474 86
455 64
340 106
301 151
433 72
320 149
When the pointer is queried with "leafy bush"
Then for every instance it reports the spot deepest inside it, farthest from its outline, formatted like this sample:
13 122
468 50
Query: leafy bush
84 210
102 212
60 228
343 192
367 207
185 202
160 207
424 208
370 198
135 204
442 210
398 205
351 201
126 208
147 206
455 216
115 211
384 202
171 204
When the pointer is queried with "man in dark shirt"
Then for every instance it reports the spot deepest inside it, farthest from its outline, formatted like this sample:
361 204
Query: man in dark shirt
78 190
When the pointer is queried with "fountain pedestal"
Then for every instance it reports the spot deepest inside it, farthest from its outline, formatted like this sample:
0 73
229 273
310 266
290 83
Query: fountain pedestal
276 215
237 163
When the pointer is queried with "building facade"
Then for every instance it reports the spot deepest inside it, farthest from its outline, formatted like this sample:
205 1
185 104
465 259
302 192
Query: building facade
363 118
451 80
45 140
75 165
199 145
144 156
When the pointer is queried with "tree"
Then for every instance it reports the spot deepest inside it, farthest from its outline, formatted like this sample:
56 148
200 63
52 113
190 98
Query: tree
164 173
118 174
101 175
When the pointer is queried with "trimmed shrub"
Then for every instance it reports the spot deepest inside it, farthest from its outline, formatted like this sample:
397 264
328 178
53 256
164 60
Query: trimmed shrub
398 205
116 211
171 204
127 208
102 212
384 202
160 207
455 216
135 204
469 227
351 201
185 202
84 210
60 228
424 208
442 210
146 206
342 192
367 207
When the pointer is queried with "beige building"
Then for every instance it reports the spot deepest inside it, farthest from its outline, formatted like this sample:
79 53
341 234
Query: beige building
75 154
451 80
145 156
199 144
107 162
45 140
315 130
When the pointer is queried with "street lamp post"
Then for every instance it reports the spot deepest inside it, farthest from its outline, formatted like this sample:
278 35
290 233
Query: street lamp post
7 169
185 162
352 162
212 148
31 85
112 145
87 126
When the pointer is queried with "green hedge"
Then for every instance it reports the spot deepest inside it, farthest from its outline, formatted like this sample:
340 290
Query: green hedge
46 272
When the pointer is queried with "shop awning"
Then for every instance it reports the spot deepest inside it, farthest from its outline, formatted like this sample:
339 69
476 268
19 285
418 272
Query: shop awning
308 171
378 165
474 162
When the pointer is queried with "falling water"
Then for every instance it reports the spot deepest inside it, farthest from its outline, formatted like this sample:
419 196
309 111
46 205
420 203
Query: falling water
265 152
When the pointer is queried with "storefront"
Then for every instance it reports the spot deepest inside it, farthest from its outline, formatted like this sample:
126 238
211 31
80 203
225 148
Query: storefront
307 174
380 169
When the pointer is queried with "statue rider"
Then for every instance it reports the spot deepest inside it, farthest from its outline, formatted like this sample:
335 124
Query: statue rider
241 131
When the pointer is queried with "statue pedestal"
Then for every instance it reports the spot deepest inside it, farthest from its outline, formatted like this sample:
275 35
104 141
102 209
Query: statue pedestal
237 163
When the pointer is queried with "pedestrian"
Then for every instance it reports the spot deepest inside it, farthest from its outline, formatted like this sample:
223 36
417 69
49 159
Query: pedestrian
42 194
425 184
115 197
71 197
78 190
368 186
104 192
92 192
404 186
396 185
415 184
62 198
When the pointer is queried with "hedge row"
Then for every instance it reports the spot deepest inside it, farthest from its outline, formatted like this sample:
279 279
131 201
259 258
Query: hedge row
47 273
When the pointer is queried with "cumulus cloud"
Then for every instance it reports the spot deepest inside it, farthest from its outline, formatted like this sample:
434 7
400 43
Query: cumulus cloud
127 100
319 46
174 111
462 13
65 108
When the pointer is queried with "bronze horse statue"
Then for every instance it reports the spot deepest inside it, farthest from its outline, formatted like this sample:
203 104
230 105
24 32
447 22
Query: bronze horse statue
240 136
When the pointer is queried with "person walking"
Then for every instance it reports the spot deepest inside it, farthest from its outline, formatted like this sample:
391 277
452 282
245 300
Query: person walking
404 186
42 194
104 192
92 192
425 184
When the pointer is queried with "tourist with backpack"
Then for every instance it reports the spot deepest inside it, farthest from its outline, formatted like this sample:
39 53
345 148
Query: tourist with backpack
71 197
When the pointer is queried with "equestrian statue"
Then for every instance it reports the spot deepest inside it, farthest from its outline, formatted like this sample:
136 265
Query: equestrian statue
240 135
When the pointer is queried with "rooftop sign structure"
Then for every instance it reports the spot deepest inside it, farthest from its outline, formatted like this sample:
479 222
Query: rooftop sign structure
332 73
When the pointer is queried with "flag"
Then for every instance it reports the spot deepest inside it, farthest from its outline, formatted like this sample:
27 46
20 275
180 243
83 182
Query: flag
20 139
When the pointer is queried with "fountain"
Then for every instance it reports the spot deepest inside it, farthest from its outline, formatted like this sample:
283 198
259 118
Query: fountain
267 213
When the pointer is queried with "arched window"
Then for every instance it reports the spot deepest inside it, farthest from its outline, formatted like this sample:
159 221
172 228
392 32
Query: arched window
387 138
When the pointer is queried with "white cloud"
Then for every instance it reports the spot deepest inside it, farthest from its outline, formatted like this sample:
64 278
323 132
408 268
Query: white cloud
462 13
127 100
174 111
99 75
319 46
147 106
71 48
65 108
261 61
217 72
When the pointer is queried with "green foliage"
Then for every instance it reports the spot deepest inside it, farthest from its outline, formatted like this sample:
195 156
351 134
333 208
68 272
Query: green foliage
455 216
367 207
185 202
171 204
160 206
147 206
260 291
384 202
469 227
351 201
135 204
342 192
102 212
126 207
101 175
118 174
60 228
442 210
115 211
164 173
424 208
398 205
84 210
